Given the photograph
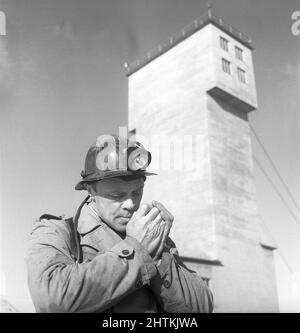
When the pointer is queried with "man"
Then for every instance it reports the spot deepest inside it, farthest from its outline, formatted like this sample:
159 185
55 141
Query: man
115 255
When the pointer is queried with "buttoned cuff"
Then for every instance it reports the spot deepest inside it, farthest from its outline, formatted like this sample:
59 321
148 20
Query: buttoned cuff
163 265
163 279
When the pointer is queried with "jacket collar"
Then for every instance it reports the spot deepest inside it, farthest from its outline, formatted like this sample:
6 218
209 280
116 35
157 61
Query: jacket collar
88 219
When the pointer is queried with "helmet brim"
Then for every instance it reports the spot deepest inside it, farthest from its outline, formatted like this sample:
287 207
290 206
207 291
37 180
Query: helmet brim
80 186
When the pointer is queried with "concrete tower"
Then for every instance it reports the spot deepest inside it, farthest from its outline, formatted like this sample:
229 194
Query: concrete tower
189 101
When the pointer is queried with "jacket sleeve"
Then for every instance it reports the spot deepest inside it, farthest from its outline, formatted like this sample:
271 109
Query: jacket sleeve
58 283
178 289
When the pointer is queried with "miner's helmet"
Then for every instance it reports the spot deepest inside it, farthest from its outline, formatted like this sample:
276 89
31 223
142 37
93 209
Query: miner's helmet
114 156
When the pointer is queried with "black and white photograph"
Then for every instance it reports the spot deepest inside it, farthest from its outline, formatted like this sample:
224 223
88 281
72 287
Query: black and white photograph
150 158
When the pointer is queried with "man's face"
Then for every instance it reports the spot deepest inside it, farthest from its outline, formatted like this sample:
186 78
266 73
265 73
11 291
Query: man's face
117 199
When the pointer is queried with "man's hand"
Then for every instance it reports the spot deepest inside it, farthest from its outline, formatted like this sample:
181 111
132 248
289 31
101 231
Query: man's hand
151 226
147 227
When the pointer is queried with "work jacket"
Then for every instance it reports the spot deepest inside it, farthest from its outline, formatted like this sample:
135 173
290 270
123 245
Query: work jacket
115 273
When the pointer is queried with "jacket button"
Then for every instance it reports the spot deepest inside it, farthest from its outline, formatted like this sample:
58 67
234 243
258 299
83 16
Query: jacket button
167 284
138 284
125 252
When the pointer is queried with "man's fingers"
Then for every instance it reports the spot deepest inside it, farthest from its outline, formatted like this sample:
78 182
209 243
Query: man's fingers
166 215
158 219
144 209
160 206
169 225
163 237
161 227
153 213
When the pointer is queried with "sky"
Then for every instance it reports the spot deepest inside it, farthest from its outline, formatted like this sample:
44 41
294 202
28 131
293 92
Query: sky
63 83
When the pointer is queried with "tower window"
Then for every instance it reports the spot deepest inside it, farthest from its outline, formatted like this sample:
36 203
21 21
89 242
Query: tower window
239 53
226 66
224 44
241 75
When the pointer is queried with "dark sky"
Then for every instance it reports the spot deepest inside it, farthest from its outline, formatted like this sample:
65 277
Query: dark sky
62 83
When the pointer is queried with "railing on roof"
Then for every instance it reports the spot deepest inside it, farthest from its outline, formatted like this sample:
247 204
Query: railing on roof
185 32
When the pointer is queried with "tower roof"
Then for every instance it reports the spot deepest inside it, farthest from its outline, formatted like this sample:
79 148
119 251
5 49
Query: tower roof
184 33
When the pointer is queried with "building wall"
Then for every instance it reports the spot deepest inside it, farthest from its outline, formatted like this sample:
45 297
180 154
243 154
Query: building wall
244 275
211 192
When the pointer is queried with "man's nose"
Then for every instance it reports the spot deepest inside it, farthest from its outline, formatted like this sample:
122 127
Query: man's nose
129 204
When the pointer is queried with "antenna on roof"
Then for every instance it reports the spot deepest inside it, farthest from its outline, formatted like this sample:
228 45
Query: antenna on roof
209 8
